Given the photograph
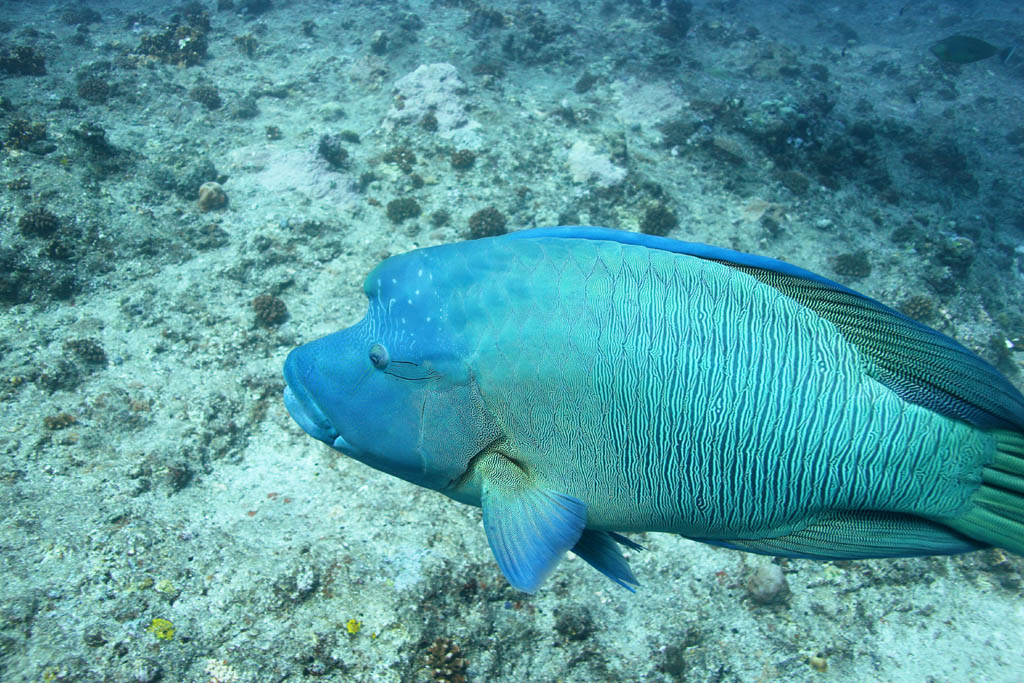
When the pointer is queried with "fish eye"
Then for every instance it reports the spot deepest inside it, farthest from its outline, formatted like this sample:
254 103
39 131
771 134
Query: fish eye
379 356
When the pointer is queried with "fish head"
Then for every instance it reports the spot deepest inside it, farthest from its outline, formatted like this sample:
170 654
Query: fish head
395 391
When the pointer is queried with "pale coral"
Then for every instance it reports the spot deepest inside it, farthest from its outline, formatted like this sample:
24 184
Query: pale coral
587 165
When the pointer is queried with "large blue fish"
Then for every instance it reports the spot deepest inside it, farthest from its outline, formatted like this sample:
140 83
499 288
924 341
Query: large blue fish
581 382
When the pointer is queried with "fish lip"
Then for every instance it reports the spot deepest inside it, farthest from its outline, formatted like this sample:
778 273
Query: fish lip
304 409
309 416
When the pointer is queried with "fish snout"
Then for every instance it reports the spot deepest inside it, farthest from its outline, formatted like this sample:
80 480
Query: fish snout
300 404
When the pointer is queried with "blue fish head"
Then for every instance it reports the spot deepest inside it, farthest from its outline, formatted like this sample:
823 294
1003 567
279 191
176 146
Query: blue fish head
394 391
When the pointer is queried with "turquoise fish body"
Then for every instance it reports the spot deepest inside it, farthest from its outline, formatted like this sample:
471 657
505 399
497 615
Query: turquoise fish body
581 382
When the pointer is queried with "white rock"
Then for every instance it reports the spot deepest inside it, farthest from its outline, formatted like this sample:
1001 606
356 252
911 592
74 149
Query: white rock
767 585
588 166
435 88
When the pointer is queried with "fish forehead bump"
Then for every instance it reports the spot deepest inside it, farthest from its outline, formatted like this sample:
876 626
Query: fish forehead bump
403 299
413 294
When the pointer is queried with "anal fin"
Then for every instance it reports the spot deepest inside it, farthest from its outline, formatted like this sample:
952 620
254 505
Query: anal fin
851 535
600 549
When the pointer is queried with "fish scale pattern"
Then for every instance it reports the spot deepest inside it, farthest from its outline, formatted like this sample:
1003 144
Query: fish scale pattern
919 365
677 394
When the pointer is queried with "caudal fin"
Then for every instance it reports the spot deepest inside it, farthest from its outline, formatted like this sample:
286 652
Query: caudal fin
996 511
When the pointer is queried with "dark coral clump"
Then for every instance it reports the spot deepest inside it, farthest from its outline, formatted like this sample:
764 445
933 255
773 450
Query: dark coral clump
14 275
575 624
104 159
942 280
94 138
23 277
87 350
852 264
410 21
366 178
536 39
247 45
23 61
944 161
440 218
62 286
209 236
676 22
59 421
57 250
487 222
95 90
795 181
179 44
677 132
659 220
21 133
245 108
64 375
490 67
483 19
379 43
403 157
137 20
920 307
332 151
463 159
585 83
76 15
429 122
39 222
403 208
195 15
182 176
207 95
445 662
253 7
956 252
270 310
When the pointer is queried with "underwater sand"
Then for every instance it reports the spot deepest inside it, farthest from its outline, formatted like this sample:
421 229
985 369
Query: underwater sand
164 519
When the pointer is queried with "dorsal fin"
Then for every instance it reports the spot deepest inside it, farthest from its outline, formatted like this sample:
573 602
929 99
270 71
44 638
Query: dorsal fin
705 251
921 365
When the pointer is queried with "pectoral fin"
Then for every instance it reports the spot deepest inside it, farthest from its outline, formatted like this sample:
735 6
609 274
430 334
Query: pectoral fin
528 527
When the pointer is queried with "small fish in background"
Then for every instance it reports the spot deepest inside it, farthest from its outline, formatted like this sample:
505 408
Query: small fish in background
578 382
960 49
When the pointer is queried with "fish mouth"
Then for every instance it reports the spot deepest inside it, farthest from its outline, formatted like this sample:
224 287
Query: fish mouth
305 411
309 416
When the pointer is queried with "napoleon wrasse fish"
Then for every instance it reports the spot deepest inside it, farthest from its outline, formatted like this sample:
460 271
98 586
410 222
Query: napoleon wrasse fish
580 383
